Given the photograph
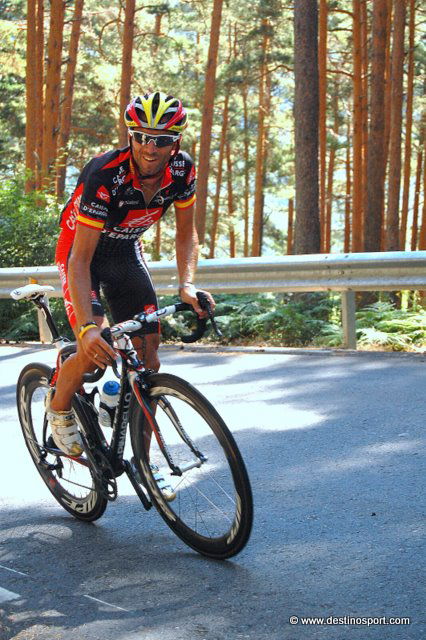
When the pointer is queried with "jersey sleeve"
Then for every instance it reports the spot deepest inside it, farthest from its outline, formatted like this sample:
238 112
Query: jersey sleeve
186 195
95 204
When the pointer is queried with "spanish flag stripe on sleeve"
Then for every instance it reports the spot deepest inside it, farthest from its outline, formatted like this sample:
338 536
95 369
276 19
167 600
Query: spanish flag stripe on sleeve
183 204
87 222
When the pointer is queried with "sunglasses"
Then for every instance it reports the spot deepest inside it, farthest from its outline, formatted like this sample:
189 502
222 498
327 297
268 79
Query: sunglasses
159 141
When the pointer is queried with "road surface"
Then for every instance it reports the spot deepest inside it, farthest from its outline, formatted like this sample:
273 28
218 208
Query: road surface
334 445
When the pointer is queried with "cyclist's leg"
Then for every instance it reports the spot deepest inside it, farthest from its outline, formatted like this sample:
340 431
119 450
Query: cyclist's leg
71 374
129 289
61 418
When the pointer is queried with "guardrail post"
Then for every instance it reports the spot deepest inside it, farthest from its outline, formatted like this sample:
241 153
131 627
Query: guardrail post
348 319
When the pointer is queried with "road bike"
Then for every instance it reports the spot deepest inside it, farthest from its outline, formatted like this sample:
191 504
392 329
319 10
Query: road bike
177 437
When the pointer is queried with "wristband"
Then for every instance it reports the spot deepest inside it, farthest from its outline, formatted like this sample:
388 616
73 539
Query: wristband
182 285
86 327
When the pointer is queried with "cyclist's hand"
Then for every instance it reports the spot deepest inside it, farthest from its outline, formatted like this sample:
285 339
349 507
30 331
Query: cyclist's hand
97 349
188 293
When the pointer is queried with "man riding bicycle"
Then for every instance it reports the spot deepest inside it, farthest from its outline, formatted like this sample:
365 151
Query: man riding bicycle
118 196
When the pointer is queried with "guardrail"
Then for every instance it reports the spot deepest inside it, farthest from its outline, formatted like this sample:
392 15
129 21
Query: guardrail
346 273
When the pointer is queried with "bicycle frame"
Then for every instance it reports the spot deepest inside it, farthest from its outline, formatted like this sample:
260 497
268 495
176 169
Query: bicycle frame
132 383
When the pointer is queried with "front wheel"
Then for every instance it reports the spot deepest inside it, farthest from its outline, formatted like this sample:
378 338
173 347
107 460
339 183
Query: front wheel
212 511
71 480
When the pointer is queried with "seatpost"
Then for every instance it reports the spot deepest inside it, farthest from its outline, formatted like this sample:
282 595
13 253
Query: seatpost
40 302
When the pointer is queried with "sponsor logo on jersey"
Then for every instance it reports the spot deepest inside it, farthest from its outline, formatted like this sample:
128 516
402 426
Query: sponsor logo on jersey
102 194
128 203
141 218
150 308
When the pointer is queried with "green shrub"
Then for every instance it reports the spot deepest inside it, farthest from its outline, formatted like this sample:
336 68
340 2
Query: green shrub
28 226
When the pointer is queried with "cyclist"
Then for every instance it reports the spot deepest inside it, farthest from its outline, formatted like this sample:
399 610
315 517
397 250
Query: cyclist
118 196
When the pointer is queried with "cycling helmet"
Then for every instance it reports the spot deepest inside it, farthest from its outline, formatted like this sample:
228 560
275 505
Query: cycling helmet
156 111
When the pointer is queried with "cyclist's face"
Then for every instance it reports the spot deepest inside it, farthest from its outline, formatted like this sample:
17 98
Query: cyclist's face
151 159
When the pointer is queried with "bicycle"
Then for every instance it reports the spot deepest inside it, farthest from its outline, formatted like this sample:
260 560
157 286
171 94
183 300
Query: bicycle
175 433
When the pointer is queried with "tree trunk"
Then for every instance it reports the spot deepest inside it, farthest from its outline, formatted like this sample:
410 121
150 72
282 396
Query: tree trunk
376 147
347 231
408 130
422 236
246 174
231 206
388 81
39 103
394 181
306 105
30 89
357 195
215 220
126 68
364 105
256 244
330 175
290 224
66 110
414 228
322 78
207 121
53 88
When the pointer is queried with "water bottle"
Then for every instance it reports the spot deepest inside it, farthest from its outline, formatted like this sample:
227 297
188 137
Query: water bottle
108 402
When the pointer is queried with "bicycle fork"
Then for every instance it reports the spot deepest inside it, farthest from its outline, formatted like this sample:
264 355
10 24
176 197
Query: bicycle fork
140 389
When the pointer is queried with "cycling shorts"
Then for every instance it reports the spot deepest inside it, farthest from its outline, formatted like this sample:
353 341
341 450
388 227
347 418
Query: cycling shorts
123 278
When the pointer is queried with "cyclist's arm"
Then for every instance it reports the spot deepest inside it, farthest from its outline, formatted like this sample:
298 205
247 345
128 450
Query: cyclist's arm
187 256
84 246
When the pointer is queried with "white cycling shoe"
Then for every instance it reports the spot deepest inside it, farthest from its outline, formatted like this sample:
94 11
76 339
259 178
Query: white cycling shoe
64 429
166 489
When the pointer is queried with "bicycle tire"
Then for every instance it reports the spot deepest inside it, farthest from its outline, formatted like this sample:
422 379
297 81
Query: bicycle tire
218 491
87 505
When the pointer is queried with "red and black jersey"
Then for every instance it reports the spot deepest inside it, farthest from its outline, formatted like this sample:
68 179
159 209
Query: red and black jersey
109 197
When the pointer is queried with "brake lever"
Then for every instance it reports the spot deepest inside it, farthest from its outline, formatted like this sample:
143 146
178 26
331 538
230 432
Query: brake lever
206 306
107 336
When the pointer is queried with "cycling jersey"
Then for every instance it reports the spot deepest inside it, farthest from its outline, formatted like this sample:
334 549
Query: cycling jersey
109 197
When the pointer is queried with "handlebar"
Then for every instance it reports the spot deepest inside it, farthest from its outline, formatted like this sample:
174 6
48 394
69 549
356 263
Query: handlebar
139 320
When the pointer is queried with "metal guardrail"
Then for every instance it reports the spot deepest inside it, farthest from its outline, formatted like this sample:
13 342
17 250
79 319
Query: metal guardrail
347 273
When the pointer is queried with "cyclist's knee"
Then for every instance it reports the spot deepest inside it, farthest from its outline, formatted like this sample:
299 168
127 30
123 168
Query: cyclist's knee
147 350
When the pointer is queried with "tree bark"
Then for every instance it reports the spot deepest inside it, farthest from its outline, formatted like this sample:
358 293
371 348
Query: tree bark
394 181
39 103
365 109
376 147
31 89
207 121
408 130
330 175
215 220
256 244
53 88
357 195
231 206
322 75
415 225
422 235
290 224
126 68
66 110
246 174
347 231
306 105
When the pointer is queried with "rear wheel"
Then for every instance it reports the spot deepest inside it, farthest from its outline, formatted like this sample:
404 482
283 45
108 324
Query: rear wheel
70 480
212 511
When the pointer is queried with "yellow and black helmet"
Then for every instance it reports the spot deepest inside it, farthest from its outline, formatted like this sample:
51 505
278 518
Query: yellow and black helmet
156 111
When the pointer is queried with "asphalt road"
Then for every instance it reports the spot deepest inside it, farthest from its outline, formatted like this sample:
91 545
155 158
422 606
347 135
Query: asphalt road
334 445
